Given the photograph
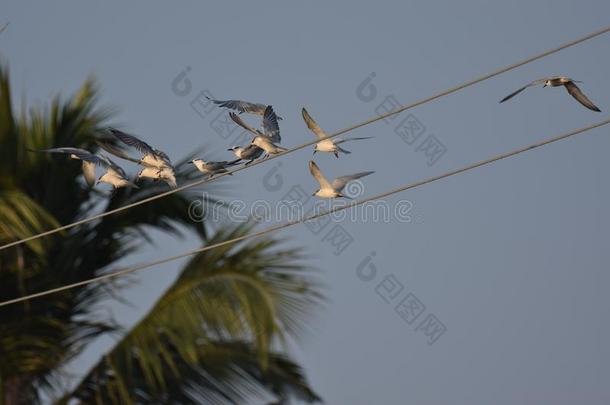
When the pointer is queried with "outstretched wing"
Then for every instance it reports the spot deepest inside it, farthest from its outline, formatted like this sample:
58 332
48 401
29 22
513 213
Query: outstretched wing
242 124
317 174
241 106
352 139
530 84
116 151
132 141
270 125
340 182
575 92
312 125
81 154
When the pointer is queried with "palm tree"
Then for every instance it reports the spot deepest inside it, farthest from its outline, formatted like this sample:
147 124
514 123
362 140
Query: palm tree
215 336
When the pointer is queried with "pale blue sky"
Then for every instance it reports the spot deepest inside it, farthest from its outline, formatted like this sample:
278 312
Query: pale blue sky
511 258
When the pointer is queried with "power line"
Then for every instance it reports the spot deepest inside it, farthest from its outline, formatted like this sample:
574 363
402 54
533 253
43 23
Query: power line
310 218
340 132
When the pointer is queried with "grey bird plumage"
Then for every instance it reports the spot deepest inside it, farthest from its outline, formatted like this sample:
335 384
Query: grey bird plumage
271 128
556 81
242 106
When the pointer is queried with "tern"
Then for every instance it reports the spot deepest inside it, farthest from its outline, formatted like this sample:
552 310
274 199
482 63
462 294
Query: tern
157 164
241 106
271 129
212 168
556 81
332 190
327 145
249 153
115 175
89 160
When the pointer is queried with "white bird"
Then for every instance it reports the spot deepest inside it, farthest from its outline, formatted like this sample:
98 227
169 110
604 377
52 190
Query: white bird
166 174
249 153
212 168
332 190
88 159
557 81
152 159
115 175
327 145
267 145
242 106
271 129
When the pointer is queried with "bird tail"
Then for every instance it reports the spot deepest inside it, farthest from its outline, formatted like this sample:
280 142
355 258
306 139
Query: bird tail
281 149
340 149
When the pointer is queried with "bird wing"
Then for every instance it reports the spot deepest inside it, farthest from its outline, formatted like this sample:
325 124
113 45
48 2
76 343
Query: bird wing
134 142
252 152
270 125
242 124
312 125
530 84
575 92
114 167
116 151
82 154
352 139
240 106
317 174
340 182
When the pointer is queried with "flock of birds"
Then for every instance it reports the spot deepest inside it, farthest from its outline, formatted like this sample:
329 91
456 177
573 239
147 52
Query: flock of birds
156 165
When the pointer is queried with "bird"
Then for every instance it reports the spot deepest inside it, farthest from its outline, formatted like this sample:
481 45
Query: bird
166 174
326 145
271 129
241 106
556 81
249 153
151 159
332 190
114 175
212 168
89 160
267 145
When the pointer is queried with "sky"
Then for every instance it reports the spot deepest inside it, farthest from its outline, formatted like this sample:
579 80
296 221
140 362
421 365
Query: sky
487 287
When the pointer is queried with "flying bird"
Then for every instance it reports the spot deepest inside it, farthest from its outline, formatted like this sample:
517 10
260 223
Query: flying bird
212 168
249 153
271 129
157 165
556 81
242 106
332 190
115 175
166 174
89 160
327 145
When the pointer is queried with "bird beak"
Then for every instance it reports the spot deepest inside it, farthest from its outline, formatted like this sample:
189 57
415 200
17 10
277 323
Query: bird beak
230 150
544 85
314 151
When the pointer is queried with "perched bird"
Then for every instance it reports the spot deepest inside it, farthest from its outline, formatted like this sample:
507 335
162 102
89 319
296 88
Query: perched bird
212 168
326 145
242 106
332 190
157 164
89 160
271 129
249 153
556 81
